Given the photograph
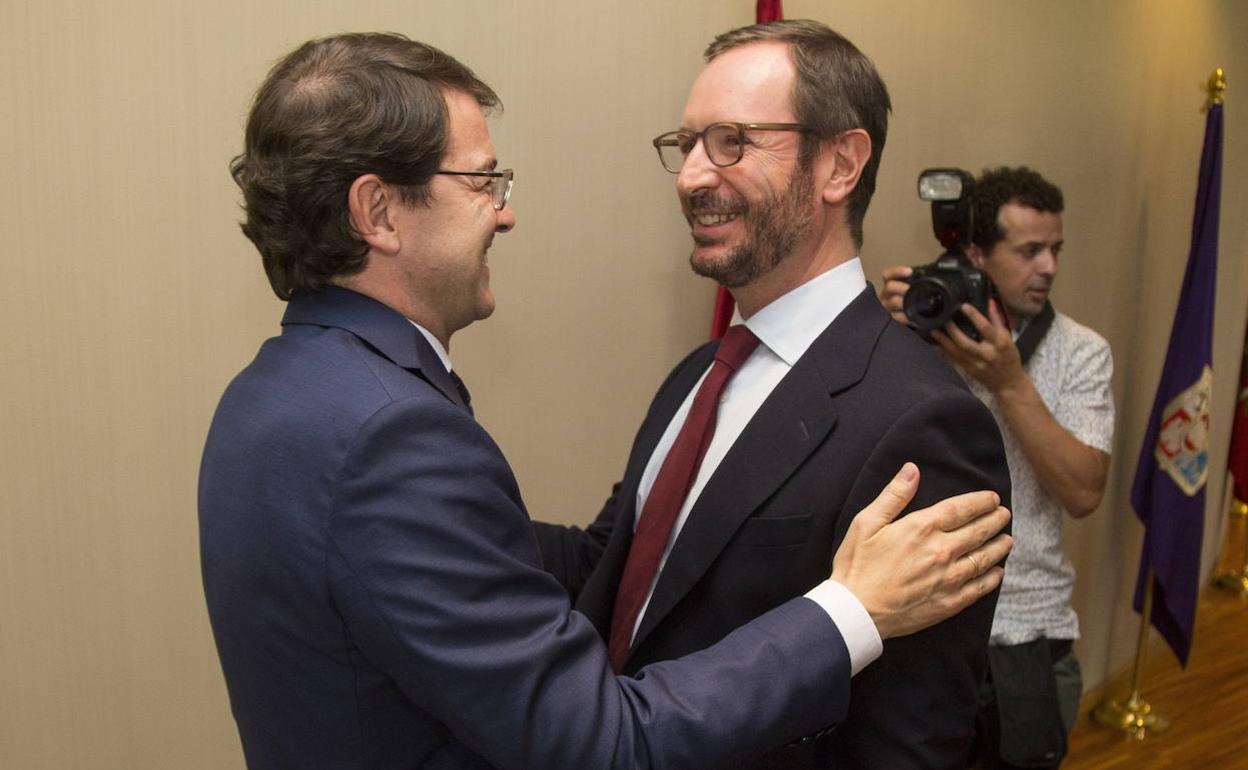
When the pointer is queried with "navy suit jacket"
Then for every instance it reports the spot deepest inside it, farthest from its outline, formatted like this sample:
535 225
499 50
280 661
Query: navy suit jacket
377 596
867 396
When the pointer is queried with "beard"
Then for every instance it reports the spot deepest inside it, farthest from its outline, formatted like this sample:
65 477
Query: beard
773 226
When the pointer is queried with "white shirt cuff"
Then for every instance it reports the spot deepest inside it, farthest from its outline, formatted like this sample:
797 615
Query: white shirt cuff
852 620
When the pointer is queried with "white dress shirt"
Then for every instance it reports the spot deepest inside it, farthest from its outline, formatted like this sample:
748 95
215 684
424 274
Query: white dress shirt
443 356
785 329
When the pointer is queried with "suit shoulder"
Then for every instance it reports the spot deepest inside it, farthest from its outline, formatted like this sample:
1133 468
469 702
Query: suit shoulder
316 388
903 355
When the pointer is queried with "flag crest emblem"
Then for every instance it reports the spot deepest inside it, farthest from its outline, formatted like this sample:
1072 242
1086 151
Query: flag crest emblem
1183 441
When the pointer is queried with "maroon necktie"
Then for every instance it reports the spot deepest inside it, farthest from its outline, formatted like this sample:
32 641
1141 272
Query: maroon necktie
671 486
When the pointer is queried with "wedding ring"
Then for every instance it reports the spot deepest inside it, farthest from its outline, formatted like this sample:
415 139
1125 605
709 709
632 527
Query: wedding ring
974 564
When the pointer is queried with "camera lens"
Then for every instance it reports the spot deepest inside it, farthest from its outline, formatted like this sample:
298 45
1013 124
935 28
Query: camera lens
929 303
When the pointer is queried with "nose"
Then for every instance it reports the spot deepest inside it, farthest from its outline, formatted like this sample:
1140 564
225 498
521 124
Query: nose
506 219
697 172
1047 262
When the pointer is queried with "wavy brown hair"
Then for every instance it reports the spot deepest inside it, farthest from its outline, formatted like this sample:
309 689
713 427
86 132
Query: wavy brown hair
329 112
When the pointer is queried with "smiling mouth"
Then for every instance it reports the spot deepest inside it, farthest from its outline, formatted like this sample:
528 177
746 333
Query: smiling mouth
710 220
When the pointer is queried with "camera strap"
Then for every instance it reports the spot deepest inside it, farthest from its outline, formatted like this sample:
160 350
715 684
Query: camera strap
1031 337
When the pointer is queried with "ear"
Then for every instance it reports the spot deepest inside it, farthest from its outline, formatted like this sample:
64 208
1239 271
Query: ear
976 255
369 201
846 156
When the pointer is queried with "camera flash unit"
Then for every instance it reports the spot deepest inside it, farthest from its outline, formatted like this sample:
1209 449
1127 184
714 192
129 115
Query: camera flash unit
943 184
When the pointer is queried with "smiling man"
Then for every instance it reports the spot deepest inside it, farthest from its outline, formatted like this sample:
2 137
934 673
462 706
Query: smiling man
374 586
1047 380
733 502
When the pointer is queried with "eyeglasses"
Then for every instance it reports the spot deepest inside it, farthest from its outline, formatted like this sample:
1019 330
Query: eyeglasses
500 183
724 142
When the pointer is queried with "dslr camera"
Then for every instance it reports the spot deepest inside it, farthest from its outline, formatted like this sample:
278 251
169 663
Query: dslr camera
939 289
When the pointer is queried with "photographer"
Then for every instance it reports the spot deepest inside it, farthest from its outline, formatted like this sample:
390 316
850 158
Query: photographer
1046 379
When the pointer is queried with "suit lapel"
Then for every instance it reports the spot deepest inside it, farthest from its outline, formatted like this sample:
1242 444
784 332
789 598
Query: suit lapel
797 417
436 375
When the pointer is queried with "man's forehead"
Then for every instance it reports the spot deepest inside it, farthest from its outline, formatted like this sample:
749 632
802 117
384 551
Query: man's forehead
1022 221
752 83
468 133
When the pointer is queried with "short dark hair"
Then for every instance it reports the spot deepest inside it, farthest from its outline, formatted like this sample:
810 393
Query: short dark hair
836 89
329 112
999 186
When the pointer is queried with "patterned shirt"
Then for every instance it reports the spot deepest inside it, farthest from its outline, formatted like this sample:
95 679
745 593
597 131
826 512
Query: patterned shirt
1071 370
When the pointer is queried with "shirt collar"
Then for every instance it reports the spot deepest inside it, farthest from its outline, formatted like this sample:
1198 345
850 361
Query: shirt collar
1022 327
791 323
443 356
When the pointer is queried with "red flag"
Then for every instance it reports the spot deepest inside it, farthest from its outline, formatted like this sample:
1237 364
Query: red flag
1237 462
768 10
764 11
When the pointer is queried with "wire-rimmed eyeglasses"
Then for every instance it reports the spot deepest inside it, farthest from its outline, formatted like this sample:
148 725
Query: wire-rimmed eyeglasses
724 142
500 183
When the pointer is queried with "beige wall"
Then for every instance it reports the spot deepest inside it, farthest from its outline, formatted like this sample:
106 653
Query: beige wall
129 297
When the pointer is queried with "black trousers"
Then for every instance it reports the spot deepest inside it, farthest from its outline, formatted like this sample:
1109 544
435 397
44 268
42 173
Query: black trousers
1019 723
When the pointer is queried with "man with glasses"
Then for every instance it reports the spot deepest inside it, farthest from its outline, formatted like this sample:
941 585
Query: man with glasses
374 586
775 163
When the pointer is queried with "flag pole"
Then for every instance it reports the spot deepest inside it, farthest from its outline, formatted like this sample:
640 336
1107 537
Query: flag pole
1237 581
1135 716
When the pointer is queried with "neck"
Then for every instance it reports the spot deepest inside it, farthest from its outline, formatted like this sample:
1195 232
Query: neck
390 293
804 264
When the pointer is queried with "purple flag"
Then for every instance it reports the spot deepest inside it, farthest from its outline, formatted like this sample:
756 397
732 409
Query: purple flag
1169 489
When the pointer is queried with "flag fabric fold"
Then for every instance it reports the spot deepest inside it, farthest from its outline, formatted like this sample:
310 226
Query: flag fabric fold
1168 493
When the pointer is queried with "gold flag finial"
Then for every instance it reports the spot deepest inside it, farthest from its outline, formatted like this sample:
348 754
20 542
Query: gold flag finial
1214 87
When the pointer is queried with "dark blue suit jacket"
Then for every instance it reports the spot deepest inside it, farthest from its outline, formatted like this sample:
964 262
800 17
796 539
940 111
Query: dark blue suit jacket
377 596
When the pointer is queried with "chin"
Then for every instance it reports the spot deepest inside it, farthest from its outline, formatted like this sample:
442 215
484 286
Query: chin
485 308
717 271
713 262
1023 313
701 261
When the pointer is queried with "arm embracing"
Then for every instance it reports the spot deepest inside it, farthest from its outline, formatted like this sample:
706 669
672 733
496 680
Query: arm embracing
437 576
570 553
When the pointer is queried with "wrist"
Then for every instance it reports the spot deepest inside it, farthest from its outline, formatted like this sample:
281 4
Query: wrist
1011 385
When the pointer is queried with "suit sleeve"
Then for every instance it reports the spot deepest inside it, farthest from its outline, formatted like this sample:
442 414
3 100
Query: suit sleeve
915 706
570 553
435 571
